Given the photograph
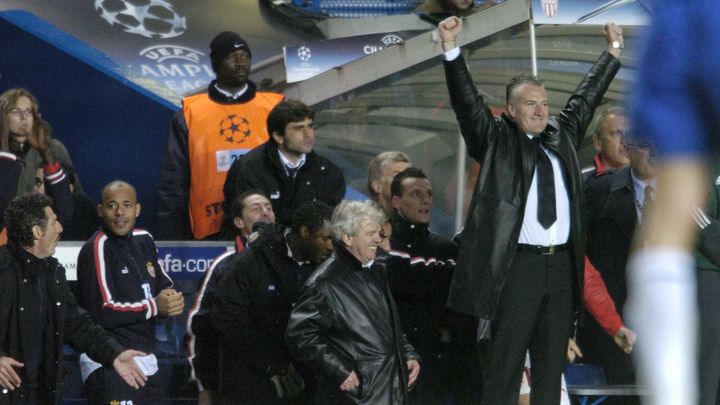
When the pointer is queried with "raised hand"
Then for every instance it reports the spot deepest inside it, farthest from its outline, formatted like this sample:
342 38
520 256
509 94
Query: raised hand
549 7
38 138
449 29
613 35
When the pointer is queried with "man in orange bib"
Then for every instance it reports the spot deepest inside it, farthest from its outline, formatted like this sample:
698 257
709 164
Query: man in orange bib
207 135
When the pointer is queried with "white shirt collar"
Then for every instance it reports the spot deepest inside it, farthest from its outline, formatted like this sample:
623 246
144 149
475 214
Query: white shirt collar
234 96
639 188
289 251
288 164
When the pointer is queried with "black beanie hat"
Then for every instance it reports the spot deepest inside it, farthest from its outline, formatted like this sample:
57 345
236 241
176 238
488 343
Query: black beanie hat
223 45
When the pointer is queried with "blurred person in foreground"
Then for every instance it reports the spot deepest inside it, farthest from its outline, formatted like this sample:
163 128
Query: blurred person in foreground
675 104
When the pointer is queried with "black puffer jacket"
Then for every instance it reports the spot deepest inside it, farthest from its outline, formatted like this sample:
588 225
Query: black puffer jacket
507 160
252 305
317 180
419 268
68 323
346 321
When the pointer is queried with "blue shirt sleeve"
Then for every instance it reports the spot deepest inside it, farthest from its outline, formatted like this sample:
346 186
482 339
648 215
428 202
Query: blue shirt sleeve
673 104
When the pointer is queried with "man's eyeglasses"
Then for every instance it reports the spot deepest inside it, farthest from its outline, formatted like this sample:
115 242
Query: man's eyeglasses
18 113
638 145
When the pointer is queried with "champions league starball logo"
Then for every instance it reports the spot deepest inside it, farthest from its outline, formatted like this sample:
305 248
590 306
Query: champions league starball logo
149 18
234 129
304 53
179 68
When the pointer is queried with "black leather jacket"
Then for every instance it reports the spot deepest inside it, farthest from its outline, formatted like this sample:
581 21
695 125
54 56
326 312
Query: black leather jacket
507 160
346 321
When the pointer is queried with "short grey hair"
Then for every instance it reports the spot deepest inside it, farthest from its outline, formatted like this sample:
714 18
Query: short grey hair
377 167
603 116
348 214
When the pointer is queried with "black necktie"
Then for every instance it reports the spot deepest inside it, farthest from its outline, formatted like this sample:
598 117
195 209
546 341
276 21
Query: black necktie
291 172
546 214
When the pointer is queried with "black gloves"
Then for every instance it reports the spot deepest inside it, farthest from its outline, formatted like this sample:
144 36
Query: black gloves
288 384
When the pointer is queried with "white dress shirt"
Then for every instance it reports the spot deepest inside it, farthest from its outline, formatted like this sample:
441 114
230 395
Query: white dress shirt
290 165
532 233
639 188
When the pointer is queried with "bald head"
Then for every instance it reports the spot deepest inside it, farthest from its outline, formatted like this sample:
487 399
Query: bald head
115 185
119 208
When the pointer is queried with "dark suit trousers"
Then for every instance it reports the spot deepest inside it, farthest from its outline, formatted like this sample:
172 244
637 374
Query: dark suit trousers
709 362
535 313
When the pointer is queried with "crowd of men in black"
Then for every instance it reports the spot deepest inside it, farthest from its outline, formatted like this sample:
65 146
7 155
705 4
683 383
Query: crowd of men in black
325 300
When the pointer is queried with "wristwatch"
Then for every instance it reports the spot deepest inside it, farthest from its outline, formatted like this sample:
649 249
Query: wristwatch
616 45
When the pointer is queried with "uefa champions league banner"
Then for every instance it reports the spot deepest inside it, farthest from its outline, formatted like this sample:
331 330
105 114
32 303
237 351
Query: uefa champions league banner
313 58
592 12
163 45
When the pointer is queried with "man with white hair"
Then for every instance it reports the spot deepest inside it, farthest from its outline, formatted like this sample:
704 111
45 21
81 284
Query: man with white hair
346 326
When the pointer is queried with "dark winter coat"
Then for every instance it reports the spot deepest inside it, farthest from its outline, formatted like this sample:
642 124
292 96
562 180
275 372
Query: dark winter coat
252 305
68 323
317 180
507 159
346 321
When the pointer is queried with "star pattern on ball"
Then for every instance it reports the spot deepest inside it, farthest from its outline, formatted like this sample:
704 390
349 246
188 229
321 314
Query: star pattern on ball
234 129
141 14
